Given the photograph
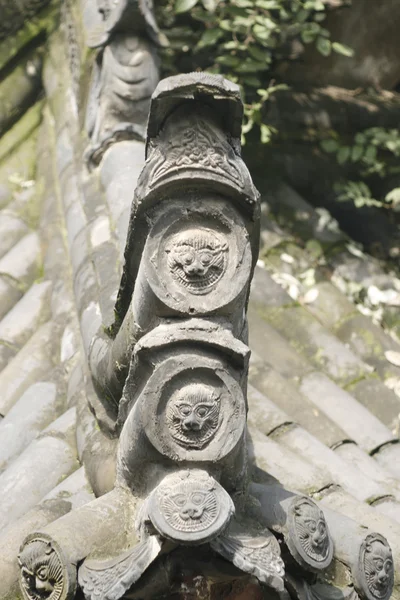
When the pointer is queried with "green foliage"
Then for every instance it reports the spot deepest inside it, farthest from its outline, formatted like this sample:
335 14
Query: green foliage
374 152
243 40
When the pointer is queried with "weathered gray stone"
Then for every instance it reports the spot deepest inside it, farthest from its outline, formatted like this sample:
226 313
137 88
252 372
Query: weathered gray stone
344 410
286 466
41 467
381 401
298 215
353 454
70 494
271 421
23 320
15 15
19 89
275 349
370 342
125 75
21 262
12 229
389 457
287 396
266 292
119 172
338 501
330 306
31 364
348 477
82 531
317 344
36 408
18 269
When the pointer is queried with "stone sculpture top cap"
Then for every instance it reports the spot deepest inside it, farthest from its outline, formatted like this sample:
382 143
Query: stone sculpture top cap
222 95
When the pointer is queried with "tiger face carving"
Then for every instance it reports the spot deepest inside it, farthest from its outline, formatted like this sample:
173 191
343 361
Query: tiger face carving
378 567
193 414
311 530
190 507
197 258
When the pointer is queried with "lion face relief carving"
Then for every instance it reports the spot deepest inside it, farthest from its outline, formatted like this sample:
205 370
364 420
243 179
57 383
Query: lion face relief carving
192 415
197 258
311 530
378 567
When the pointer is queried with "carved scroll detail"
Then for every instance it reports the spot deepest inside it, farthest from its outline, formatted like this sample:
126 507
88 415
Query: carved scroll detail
110 579
255 552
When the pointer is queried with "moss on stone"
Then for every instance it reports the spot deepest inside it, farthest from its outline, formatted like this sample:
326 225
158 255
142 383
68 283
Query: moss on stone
21 130
44 22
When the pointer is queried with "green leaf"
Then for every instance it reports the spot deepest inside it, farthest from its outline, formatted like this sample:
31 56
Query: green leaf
343 155
182 6
258 53
357 152
370 154
251 80
266 133
210 5
342 49
329 145
393 196
228 61
323 46
210 37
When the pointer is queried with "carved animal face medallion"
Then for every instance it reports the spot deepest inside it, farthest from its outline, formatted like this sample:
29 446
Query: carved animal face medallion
41 574
312 530
190 507
377 565
197 258
308 538
192 415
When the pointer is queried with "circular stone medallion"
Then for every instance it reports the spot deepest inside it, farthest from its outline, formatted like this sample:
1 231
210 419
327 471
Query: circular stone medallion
190 507
375 572
197 256
200 408
44 573
309 540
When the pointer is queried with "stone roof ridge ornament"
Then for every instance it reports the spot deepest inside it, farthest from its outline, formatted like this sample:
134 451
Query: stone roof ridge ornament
103 18
125 72
177 366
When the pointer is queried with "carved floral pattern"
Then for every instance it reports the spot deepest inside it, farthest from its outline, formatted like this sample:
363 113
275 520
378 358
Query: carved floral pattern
195 145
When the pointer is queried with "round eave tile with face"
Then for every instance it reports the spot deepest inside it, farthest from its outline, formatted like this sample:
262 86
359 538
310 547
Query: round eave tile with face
374 575
193 410
308 538
190 507
44 573
197 257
